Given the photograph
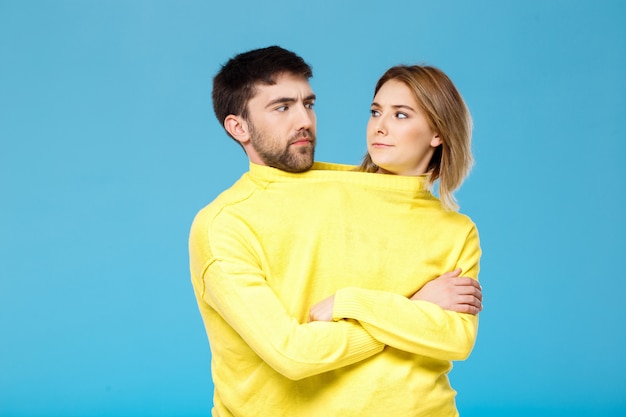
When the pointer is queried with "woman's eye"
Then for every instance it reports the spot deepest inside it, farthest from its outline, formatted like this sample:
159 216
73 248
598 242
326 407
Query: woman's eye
374 113
401 115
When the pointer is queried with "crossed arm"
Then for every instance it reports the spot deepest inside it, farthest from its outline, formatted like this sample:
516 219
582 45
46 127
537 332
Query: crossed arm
419 324
298 350
428 323
449 291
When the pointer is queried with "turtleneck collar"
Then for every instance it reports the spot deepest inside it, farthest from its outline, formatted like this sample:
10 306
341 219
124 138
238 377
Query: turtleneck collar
324 171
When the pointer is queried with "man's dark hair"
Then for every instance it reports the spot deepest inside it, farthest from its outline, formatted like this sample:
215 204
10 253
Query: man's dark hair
234 84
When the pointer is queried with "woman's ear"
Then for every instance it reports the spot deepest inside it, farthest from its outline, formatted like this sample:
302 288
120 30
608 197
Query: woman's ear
237 127
436 141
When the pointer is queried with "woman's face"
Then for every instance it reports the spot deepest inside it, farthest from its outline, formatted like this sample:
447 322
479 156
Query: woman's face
399 139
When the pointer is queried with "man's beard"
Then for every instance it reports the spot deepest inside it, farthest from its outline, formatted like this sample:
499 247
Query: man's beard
290 158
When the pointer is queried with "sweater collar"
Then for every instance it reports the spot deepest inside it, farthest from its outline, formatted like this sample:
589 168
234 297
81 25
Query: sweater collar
331 172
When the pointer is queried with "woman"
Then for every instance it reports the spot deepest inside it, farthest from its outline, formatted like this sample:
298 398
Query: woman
420 127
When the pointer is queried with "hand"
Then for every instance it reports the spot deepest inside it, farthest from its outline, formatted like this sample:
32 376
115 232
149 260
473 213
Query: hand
454 293
323 311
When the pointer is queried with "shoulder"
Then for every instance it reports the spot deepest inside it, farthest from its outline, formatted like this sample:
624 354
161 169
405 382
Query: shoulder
238 193
465 223
462 219
461 223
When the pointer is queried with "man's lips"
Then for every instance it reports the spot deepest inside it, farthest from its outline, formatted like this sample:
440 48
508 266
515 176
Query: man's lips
301 142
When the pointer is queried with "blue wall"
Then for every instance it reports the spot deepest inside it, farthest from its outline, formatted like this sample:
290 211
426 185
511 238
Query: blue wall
108 147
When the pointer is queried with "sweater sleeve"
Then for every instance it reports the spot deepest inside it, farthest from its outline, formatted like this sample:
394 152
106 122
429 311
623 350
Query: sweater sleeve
417 327
235 287
295 350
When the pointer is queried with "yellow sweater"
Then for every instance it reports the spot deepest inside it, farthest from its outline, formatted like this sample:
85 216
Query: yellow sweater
275 243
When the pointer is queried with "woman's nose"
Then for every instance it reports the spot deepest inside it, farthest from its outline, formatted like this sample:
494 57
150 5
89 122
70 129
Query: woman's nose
380 126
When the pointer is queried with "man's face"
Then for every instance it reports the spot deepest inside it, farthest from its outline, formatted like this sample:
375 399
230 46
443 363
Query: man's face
281 123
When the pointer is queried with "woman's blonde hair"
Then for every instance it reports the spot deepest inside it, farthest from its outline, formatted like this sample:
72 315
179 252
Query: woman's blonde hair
447 115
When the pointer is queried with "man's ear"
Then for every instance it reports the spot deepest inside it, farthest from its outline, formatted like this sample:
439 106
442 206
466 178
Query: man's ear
237 127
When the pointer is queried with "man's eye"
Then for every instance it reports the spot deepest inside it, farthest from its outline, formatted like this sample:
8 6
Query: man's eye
309 105
282 108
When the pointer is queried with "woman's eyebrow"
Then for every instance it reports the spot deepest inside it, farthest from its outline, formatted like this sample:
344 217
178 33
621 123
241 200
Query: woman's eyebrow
395 106
402 106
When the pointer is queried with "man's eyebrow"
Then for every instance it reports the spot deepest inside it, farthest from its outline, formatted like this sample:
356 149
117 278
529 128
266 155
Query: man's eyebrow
287 100
280 100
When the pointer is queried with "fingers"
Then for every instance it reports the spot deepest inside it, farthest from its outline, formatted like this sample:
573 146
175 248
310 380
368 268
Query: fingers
467 309
468 286
467 281
469 305
472 301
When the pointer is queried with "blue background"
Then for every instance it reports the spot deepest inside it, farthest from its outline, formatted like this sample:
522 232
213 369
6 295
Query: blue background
109 147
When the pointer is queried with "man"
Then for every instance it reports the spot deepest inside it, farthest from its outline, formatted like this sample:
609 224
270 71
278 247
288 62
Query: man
286 236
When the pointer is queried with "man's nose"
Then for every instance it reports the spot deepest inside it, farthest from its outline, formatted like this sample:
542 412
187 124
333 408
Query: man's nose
305 118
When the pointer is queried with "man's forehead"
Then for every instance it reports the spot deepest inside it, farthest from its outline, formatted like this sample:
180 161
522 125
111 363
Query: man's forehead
284 83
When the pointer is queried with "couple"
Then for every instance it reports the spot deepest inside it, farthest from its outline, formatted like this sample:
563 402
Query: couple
327 289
